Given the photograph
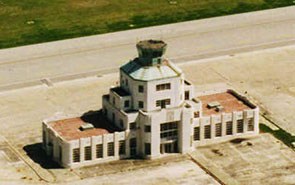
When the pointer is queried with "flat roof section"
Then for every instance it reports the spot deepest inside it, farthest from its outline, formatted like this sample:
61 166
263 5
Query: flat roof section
120 91
69 129
227 100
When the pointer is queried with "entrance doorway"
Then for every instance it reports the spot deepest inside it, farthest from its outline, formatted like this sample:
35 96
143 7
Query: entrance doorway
169 147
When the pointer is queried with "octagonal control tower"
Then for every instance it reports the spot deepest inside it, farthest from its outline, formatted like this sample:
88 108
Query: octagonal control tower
153 81
151 112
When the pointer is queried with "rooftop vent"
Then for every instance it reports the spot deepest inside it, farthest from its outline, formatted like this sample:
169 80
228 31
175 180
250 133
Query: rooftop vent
219 108
86 126
213 104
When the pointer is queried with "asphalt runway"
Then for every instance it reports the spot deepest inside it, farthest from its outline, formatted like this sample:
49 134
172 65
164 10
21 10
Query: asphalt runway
187 41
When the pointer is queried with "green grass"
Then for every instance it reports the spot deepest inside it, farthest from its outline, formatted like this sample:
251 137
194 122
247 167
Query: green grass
280 134
25 22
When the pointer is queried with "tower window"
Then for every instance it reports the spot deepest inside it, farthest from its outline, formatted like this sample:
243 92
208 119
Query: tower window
165 86
147 128
186 95
126 103
140 104
140 88
163 103
132 126
121 123
147 148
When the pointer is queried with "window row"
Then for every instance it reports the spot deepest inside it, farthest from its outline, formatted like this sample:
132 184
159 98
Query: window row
98 152
161 87
169 130
172 134
168 126
163 103
228 129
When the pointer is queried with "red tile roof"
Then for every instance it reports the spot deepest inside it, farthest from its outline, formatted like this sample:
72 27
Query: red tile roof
229 102
68 129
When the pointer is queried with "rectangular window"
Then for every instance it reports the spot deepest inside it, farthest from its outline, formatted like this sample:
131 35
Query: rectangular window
186 95
111 149
122 148
99 151
147 148
114 101
140 88
251 124
126 82
240 126
87 153
147 128
229 128
76 155
165 86
114 118
207 132
196 114
126 103
132 126
163 103
140 104
218 129
196 133
121 123
133 145
169 130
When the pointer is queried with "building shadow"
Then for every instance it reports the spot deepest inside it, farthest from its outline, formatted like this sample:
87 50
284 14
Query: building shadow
38 155
99 120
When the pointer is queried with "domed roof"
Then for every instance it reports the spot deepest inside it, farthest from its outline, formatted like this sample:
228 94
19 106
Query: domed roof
147 73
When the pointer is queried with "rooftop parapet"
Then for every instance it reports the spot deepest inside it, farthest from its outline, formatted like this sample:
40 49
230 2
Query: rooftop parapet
151 51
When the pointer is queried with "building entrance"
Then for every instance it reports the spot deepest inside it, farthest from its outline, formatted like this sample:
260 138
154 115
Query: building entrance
169 147
169 137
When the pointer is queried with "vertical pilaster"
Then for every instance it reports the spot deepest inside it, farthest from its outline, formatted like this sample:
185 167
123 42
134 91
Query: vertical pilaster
202 129
212 123
105 145
223 125
81 150
116 144
234 119
245 121
185 130
256 120
93 148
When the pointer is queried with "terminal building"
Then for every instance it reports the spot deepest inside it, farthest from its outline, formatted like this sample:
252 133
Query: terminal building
153 111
